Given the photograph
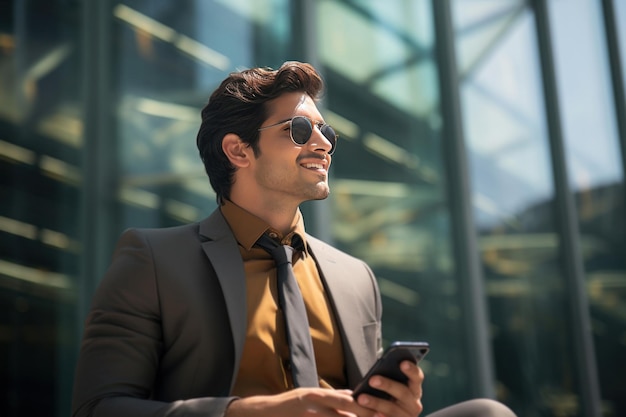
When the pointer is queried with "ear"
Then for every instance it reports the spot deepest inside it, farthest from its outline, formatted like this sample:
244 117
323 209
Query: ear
236 150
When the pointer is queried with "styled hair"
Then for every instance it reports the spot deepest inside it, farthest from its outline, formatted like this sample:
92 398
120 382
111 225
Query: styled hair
238 106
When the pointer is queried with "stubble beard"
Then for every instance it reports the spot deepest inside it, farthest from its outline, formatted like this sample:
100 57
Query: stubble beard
283 183
319 191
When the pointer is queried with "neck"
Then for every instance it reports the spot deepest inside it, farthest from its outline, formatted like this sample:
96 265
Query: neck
278 214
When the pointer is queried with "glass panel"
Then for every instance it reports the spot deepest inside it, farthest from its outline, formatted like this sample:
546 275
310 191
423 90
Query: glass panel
388 188
597 181
170 57
40 193
620 19
513 200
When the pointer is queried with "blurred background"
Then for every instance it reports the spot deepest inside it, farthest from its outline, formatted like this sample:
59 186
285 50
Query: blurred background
480 172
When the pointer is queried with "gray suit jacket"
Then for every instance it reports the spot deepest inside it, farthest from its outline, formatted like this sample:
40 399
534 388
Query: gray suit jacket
167 325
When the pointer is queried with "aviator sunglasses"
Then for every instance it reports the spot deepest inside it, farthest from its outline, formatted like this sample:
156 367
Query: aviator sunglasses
301 129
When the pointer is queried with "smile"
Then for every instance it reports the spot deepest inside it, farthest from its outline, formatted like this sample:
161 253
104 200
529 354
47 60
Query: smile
313 166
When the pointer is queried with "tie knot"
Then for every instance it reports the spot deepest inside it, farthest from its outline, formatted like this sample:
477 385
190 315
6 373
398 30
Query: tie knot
281 253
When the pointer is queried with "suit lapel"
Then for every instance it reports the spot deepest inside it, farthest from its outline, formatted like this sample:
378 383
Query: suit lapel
340 292
221 248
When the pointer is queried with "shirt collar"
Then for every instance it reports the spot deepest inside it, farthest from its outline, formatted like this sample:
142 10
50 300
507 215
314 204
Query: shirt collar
247 228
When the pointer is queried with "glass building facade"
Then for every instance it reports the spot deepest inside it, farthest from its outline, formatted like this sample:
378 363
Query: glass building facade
480 173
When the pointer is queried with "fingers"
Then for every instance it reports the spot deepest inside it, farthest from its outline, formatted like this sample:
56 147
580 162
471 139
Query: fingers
406 398
416 377
324 402
300 402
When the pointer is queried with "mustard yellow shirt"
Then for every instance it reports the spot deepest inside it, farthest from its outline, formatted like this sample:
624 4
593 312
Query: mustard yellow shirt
263 369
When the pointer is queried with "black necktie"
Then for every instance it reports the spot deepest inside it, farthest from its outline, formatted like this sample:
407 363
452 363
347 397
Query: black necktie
303 369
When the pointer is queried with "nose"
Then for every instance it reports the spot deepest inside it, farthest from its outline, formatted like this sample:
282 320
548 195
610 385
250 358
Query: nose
319 142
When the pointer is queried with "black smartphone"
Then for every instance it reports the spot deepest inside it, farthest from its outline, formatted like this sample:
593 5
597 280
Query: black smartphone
388 365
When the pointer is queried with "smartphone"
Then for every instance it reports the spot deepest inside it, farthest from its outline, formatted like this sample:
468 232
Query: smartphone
388 365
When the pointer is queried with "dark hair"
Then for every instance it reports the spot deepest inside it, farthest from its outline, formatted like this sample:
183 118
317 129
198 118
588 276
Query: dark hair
238 106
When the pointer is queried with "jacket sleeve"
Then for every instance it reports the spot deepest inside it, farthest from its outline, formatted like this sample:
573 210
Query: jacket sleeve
122 345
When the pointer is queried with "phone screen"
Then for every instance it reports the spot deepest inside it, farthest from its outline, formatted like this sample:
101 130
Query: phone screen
388 365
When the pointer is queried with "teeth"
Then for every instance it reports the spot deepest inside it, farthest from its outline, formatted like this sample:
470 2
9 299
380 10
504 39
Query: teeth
317 166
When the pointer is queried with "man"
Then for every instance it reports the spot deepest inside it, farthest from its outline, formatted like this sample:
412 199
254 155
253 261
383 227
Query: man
186 321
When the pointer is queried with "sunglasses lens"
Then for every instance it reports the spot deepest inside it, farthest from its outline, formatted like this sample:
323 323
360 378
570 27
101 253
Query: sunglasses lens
329 133
301 130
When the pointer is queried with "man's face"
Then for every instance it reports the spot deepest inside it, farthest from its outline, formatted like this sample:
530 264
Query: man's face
287 172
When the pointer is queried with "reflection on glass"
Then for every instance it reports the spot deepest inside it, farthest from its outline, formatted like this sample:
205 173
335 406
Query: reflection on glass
597 181
41 138
168 64
513 193
388 188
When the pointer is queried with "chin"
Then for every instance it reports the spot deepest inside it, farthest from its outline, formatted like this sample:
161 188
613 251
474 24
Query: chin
323 195
319 192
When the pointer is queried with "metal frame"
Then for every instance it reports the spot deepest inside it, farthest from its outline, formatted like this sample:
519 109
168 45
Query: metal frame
99 159
617 74
573 269
468 268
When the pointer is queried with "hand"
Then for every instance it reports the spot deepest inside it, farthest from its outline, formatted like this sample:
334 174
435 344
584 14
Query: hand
300 402
407 399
